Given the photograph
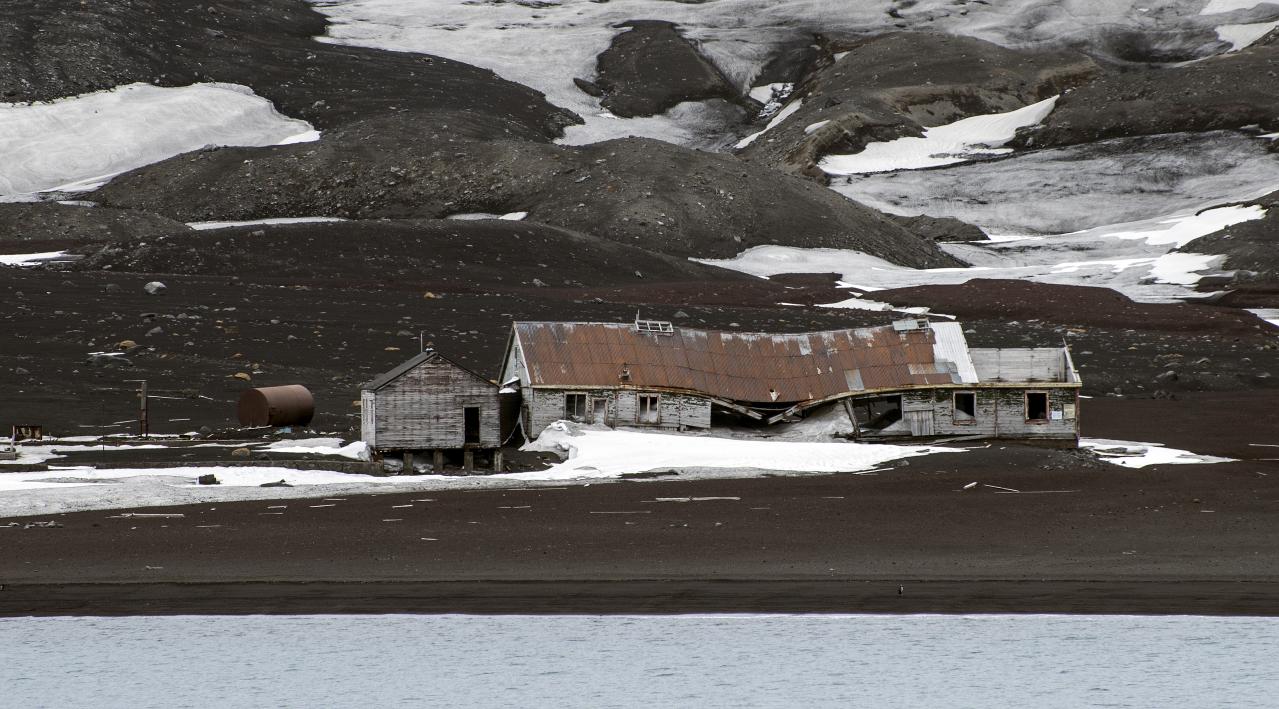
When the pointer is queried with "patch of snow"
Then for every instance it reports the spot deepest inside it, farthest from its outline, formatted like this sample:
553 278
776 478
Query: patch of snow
1064 190
1133 454
814 127
769 93
961 141
77 142
30 259
777 120
201 226
35 454
1241 36
1218 6
1133 258
545 44
1178 231
596 453
1270 315
357 450
475 216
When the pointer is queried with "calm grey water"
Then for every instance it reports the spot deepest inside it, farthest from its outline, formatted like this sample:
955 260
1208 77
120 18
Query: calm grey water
640 661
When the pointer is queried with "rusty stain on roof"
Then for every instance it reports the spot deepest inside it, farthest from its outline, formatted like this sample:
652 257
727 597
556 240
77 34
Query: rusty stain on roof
745 367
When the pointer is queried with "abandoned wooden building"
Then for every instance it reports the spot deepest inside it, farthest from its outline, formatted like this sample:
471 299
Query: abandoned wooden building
431 404
912 378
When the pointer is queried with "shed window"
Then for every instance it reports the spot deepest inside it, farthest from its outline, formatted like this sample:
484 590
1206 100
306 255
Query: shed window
1036 406
965 407
648 409
575 407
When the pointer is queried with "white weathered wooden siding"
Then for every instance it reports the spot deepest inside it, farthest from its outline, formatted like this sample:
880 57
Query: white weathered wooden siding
423 408
676 411
368 418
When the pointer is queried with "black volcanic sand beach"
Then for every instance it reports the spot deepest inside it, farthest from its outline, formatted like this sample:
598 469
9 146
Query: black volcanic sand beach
1080 536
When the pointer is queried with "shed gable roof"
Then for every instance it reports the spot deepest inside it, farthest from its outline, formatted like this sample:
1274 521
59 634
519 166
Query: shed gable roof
407 366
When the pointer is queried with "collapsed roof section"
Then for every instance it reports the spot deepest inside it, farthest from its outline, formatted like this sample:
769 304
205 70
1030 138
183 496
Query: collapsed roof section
800 369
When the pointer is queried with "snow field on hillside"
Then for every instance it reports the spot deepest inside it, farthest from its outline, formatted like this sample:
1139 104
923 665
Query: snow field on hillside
80 142
961 141
1132 258
1064 190
544 45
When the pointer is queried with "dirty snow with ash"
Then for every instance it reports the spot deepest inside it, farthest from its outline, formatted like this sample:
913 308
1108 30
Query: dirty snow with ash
36 454
607 453
80 142
30 259
1134 454
596 454
961 141
476 216
777 120
1134 258
358 450
1063 190
201 226
1214 7
546 44
1242 36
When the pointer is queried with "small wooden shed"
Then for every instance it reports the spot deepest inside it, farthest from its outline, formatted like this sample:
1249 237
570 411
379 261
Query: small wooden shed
431 403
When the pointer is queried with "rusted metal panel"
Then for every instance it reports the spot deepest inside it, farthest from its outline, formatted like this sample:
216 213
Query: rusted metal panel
289 405
752 367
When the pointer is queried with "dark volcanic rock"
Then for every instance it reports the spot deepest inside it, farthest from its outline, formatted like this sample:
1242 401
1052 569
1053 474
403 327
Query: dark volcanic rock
639 192
438 254
1251 248
1223 92
898 84
48 226
652 67
58 48
943 229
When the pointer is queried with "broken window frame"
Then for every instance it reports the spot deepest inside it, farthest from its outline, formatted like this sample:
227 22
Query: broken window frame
599 410
575 407
1046 410
648 408
968 417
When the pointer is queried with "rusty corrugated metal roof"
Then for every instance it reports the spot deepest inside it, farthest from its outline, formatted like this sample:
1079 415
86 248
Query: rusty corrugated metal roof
745 367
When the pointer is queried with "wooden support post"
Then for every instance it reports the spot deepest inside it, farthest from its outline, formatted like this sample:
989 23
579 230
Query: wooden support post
408 462
438 460
497 460
468 460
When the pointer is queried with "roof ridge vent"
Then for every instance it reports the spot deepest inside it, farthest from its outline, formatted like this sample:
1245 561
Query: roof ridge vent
657 327
919 323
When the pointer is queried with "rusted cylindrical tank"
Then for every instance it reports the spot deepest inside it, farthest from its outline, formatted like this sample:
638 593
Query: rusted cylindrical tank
289 405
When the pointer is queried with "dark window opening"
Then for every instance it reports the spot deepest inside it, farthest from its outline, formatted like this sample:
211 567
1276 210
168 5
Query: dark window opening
1036 406
879 413
647 412
965 407
471 421
575 407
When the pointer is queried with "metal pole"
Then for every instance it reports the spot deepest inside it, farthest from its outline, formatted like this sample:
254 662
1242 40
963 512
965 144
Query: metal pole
143 422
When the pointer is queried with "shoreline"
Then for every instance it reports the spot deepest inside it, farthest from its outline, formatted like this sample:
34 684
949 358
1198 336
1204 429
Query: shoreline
645 597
